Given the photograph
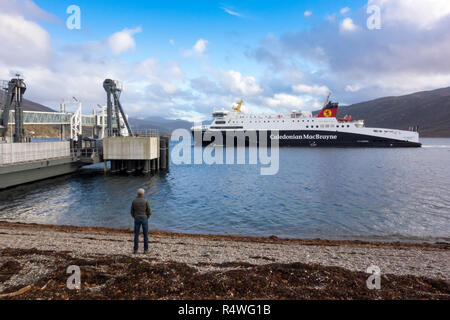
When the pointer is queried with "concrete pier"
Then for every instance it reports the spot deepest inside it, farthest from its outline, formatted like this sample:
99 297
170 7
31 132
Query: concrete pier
136 154
12 153
27 162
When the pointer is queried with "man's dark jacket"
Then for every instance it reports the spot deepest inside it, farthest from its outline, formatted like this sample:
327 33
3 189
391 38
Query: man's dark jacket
140 208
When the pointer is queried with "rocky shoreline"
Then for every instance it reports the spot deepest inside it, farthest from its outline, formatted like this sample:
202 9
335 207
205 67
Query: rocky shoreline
34 261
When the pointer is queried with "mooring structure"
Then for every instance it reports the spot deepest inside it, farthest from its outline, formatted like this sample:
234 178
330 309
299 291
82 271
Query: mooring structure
23 161
129 152
13 97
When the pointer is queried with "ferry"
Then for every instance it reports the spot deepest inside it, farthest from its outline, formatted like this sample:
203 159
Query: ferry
303 129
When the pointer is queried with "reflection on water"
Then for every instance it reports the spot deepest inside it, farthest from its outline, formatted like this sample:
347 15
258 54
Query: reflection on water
386 194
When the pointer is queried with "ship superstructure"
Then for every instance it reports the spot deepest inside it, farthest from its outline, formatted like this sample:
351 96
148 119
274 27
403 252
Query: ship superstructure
302 128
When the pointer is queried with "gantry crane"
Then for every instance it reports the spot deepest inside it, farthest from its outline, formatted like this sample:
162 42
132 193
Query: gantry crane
113 90
14 93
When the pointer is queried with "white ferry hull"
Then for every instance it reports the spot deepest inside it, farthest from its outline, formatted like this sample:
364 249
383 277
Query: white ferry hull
314 138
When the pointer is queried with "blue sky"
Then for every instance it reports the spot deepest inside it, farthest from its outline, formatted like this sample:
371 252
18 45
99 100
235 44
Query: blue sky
182 59
186 21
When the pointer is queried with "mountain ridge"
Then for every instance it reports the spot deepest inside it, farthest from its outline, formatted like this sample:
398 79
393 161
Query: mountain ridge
430 110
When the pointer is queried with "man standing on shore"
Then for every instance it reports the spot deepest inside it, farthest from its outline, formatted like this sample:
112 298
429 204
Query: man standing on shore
141 212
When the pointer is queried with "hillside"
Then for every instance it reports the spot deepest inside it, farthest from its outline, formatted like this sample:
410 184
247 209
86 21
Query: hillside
162 124
430 110
33 106
27 105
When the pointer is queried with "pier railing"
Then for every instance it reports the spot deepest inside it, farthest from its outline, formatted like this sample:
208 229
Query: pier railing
146 133
11 153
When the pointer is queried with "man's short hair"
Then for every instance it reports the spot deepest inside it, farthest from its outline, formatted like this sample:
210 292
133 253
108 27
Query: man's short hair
141 191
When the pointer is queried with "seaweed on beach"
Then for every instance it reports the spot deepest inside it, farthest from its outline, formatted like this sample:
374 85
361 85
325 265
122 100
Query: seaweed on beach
123 277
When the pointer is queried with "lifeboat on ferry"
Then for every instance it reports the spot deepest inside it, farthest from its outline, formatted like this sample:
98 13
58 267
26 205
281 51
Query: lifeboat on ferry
346 119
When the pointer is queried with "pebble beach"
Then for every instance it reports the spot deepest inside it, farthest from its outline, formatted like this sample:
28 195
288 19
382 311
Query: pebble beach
34 260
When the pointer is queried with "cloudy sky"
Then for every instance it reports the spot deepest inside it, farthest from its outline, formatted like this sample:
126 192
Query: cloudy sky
182 59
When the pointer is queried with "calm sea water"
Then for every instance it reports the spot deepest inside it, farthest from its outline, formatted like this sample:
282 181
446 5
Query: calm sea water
384 194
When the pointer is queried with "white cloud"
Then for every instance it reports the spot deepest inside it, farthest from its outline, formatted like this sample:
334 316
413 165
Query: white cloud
312 90
123 41
231 12
283 100
409 81
200 46
423 14
344 10
307 13
28 9
406 55
53 73
238 84
198 49
190 115
347 25
172 42
352 88
23 40
166 75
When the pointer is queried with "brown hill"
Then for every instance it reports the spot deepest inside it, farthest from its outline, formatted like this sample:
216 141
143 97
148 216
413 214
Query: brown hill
430 110
33 106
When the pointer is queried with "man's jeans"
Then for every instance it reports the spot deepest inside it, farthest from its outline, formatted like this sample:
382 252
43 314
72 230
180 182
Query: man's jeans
138 222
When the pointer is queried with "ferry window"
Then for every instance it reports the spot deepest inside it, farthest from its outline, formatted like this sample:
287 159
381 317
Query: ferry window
307 126
348 126
317 126
220 122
